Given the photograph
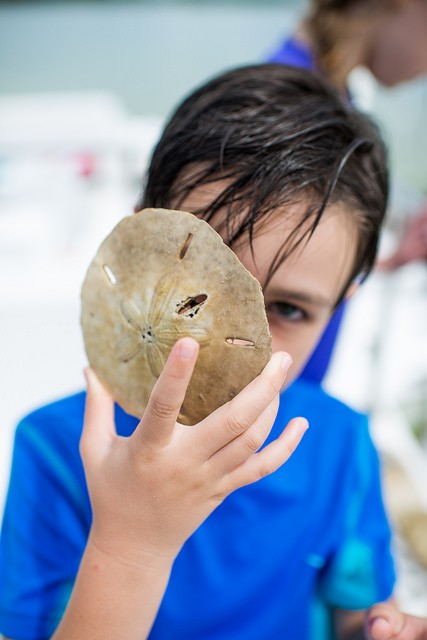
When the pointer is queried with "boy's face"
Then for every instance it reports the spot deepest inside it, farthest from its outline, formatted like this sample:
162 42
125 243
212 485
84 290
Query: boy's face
301 296
302 293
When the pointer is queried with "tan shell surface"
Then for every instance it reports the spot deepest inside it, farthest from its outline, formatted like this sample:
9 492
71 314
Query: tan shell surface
158 276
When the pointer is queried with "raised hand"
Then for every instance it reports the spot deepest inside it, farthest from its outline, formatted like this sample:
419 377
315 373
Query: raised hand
150 491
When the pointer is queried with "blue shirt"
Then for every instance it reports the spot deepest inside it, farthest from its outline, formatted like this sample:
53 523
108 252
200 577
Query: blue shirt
270 562
295 53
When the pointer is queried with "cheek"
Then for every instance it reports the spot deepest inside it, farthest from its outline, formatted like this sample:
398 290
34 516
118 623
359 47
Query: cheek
386 65
401 53
299 341
391 70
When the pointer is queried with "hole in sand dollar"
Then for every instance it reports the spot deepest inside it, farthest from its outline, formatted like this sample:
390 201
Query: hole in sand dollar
185 246
110 275
240 342
192 305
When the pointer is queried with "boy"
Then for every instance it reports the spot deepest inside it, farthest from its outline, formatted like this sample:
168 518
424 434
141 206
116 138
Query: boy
178 540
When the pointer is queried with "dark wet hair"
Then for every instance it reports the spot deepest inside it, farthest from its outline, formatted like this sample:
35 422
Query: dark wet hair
276 135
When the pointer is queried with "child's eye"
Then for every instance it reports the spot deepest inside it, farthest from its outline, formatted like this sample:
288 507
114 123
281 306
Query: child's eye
287 311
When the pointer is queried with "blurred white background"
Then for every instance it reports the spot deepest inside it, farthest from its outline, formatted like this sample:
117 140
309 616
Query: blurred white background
84 90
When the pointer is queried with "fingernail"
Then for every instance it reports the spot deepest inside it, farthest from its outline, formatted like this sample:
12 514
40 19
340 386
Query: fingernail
286 361
187 348
381 626
303 425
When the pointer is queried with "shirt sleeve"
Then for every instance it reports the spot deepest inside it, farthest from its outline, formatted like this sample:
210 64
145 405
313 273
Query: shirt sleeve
294 53
361 570
44 530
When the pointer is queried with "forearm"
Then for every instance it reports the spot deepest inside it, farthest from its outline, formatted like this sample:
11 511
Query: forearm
114 598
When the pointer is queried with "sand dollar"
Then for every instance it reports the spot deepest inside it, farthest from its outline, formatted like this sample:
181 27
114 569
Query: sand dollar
158 276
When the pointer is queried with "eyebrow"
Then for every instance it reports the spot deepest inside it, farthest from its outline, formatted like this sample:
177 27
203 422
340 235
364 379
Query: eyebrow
301 296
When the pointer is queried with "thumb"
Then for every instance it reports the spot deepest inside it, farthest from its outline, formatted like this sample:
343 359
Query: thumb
98 426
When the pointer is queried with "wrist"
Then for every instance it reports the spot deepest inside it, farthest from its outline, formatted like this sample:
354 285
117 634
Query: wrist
133 557
116 595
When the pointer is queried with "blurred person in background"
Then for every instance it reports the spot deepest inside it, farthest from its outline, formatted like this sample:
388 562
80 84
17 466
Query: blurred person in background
389 38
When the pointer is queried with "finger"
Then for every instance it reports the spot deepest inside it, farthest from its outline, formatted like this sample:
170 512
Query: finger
168 394
269 459
245 445
414 628
98 425
385 622
235 417
380 629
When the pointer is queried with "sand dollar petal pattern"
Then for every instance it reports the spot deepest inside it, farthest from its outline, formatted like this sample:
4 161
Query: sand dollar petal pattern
158 276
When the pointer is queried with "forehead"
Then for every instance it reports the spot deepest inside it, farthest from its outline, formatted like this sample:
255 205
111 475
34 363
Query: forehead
320 266
323 263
